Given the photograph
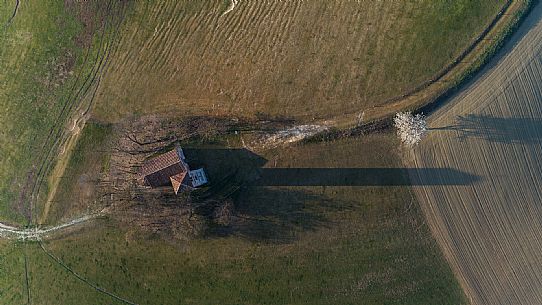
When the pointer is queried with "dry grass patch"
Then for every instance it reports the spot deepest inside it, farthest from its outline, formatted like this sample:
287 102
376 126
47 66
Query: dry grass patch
302 59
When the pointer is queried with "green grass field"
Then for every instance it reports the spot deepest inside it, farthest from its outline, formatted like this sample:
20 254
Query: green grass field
300 59
49 58
12 273
34 51
296 245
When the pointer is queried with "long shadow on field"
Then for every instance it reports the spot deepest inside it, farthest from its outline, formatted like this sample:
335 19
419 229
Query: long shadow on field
278 215
500 130
248 169
275 204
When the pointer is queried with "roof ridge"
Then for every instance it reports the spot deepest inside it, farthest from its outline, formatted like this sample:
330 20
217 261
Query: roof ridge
161 162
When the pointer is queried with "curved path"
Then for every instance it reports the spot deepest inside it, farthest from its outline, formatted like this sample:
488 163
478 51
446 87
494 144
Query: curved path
491 231
37 233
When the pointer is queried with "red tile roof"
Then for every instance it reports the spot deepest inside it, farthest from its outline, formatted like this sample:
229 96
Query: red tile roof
159 163
176 181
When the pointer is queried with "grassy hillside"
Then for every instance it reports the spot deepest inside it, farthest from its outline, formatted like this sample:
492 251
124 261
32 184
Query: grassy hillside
294 245
304 59
36 52
49 56
301 59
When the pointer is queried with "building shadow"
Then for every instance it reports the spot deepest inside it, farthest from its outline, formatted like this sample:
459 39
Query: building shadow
496 129
363 177
275 204
249 170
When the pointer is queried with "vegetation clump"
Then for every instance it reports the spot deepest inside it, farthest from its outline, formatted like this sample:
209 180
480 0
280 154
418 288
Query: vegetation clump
410 128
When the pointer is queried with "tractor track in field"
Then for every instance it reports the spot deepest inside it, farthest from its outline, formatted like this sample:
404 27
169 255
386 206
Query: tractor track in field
26 276
58 135
491 231
13 14
82 278
32 180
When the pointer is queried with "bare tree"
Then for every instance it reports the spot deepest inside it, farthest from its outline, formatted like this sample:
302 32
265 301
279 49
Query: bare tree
410 128
224 212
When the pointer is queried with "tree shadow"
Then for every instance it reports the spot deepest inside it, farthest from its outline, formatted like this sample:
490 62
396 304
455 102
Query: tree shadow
498 130
249 170
277 215
275 204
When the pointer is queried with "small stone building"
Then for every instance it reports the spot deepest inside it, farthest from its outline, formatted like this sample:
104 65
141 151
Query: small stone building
172 169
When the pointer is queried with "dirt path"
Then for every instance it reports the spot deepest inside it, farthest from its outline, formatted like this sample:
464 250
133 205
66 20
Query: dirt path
75 105
37 233
491 231
82 278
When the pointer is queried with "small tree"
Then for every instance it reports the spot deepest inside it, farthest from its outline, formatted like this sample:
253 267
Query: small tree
410 128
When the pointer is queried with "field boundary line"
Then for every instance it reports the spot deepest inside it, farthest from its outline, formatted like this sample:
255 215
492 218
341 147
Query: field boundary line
456 74
83 279
27 280
15 10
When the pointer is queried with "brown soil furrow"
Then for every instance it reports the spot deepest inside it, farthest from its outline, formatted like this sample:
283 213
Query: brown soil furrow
177 40
191 27
244 15
378 46
208 15
261 40
160 36
155 37
397 20
370 43
226 24
261 22
289 16
277 57
127 64
206 27
196 30
360 47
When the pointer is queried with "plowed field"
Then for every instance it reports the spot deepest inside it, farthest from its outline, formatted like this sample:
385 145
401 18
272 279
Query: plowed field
491 231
